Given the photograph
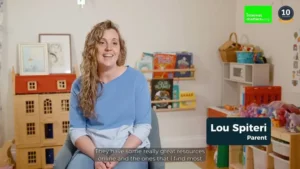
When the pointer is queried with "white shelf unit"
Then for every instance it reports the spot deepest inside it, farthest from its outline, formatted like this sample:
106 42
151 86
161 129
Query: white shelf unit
238 75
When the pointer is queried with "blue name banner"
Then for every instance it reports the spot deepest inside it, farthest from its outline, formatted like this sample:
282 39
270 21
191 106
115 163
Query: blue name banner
238 131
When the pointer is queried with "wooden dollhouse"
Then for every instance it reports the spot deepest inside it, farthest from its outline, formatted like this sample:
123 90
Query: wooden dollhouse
41 108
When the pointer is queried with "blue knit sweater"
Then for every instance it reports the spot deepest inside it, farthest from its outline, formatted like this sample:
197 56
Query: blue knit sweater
124 108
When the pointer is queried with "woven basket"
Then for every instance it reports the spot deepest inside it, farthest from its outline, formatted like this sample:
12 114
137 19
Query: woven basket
228 49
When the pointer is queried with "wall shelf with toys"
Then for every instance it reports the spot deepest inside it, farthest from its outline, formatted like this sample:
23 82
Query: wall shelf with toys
181 101
192 70
161 71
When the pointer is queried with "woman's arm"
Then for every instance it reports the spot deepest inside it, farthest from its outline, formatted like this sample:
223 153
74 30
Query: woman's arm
77 131
142 125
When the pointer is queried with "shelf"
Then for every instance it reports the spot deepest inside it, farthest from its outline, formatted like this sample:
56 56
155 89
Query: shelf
281 133
169 70
232 80
236 76
235 151
173 109
174 101
178 78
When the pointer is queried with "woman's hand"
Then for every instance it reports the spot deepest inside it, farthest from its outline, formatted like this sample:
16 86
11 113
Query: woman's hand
100 165
111 164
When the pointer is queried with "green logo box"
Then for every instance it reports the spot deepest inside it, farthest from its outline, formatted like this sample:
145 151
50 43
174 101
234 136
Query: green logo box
258 14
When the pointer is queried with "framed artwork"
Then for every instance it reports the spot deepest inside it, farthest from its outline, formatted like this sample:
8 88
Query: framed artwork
33 59
59 52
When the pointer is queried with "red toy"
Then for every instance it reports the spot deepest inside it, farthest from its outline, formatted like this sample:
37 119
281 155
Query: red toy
291 108
281 116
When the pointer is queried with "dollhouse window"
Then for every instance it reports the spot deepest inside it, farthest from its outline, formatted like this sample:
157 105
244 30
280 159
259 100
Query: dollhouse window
29 106
65 105
47 106
65 126
31 85
30 128
31 157
61 84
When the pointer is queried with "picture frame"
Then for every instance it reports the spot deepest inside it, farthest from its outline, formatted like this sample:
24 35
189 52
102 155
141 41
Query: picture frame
33 58
59 52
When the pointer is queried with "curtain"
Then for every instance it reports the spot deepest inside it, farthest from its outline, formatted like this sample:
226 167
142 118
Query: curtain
1 65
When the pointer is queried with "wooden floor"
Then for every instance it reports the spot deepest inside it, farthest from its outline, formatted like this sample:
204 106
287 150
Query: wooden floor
209 163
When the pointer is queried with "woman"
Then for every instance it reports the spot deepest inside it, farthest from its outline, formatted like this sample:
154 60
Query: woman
110 104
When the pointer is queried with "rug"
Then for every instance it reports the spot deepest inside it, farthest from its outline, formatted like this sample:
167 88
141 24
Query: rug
181 165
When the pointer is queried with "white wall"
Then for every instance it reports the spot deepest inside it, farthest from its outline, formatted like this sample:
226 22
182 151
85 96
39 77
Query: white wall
3 71
199 26
276 40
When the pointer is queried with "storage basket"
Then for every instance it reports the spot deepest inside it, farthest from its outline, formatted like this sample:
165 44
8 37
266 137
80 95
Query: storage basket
245 57
228 49
281 148
280 163
258 158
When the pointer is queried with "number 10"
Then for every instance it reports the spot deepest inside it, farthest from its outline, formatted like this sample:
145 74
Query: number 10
286 12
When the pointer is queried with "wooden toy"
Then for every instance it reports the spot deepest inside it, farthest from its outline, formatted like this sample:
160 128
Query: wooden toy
41 117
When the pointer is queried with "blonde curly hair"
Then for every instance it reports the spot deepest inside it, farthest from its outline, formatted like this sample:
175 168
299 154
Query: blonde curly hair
89 66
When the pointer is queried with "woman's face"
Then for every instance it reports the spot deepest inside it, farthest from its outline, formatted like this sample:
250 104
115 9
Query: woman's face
109 49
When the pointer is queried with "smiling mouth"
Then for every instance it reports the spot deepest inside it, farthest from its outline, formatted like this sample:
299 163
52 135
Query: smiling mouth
108 55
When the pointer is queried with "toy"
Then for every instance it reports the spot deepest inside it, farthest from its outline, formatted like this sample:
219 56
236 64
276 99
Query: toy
271 112
262 112
291 108
259 57
278 117
275 122
281 116
275 110
274 114
293 122
276 104
229 107
250 111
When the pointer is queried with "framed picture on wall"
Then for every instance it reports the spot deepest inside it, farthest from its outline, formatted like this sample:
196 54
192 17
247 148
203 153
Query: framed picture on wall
33 59
59 52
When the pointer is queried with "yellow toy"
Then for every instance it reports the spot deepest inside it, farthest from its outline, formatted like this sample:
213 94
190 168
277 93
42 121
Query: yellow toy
276 122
